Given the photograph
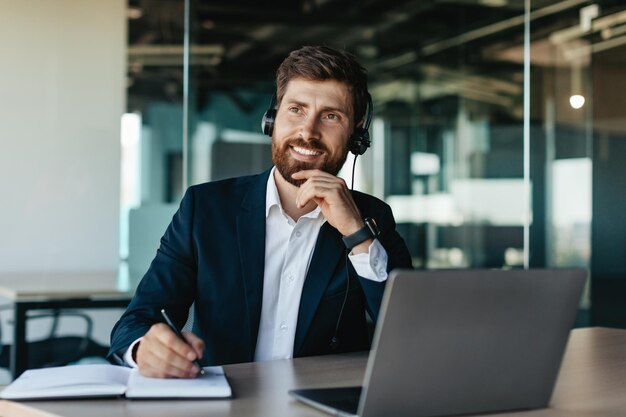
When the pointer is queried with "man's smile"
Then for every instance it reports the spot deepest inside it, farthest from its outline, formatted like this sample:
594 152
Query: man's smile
304 153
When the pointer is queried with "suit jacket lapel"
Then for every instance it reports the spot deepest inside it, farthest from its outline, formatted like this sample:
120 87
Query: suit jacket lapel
251 239
328 251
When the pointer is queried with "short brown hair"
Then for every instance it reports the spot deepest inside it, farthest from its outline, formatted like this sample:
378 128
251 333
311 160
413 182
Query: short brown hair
321 63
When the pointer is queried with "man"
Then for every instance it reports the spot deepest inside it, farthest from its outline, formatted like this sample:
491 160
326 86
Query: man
262 257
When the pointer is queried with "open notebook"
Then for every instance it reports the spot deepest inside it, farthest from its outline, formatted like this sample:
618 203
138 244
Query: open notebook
89 381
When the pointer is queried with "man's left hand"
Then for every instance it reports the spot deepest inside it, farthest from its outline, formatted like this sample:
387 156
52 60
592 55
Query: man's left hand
333 197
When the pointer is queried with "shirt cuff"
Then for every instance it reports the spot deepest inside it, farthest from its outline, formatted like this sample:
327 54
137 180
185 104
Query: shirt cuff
128 355
372 264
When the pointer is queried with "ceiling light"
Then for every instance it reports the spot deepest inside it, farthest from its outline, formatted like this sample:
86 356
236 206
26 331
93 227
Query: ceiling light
134 13
493 3
587 14
577 101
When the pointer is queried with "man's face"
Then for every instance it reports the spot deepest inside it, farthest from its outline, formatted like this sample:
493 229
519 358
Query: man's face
313 124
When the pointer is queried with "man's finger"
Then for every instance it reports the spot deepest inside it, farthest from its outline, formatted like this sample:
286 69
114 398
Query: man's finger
308 173
316 188
167 337
162 353
168 366
195 342
156 359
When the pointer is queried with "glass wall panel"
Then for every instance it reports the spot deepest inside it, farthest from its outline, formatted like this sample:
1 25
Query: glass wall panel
560 140
152 151
447 135
607 67
450 151
578 58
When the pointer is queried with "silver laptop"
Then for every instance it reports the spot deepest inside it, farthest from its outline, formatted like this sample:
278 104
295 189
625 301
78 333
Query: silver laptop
461 342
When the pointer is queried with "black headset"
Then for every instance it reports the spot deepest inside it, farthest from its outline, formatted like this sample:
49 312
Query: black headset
359 140
267 123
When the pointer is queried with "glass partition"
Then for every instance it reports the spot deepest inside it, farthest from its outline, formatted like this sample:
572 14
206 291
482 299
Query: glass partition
578 58
497 124
152 129
447 134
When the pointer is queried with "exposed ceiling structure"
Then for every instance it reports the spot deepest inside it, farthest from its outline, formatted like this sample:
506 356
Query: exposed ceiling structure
468 48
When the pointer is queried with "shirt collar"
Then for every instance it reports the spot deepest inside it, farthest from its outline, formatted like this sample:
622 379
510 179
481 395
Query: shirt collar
273 199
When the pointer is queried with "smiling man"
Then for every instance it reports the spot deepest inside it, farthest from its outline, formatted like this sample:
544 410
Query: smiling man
282 264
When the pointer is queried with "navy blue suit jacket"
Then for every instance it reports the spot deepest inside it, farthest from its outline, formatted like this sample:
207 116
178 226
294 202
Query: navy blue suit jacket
213 254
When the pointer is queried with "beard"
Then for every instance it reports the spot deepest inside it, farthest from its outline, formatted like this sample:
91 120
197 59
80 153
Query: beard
287 165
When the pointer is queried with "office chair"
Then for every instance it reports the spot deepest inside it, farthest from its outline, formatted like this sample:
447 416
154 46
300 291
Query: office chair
56 350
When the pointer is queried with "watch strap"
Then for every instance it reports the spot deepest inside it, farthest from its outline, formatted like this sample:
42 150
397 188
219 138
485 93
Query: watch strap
368 231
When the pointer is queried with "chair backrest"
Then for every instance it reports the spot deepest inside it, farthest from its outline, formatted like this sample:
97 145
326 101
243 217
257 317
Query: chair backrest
56 349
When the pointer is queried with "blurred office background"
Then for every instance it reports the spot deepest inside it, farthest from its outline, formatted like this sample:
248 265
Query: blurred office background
498 135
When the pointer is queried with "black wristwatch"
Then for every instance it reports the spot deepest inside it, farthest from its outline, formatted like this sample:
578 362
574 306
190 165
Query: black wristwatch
369 231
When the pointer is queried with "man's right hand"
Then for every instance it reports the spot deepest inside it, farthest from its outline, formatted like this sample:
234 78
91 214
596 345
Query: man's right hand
161 354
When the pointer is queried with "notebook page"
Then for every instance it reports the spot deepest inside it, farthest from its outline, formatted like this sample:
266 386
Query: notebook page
212 384
68 382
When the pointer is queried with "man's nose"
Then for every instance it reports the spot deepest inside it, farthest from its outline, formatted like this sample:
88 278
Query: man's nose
309 130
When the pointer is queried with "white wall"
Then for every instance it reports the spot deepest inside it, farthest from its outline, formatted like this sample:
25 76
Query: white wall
62 93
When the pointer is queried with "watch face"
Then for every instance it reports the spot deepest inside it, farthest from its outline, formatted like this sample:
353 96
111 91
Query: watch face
371 224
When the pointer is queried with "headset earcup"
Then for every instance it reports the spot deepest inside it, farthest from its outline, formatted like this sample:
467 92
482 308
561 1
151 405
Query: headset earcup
267 124
359 141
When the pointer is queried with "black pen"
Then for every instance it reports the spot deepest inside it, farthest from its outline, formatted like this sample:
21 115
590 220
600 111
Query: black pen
180 336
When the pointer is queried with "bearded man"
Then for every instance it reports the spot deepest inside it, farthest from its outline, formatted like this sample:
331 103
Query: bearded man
282 264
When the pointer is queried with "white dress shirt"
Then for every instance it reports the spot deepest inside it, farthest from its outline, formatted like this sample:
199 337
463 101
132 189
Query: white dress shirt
289 247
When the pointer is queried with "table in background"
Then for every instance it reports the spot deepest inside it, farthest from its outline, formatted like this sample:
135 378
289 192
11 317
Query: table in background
56 290
591 383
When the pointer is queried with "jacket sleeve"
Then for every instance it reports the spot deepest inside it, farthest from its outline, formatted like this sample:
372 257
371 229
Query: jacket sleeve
169 283
398 256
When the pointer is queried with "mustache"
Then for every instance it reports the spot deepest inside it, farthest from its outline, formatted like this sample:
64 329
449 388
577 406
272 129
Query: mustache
314 145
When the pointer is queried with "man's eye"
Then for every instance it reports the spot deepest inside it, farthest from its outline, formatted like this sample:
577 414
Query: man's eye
332 116
294 109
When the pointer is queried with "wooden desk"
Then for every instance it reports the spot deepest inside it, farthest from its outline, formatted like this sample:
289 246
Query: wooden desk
57 290
591 384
